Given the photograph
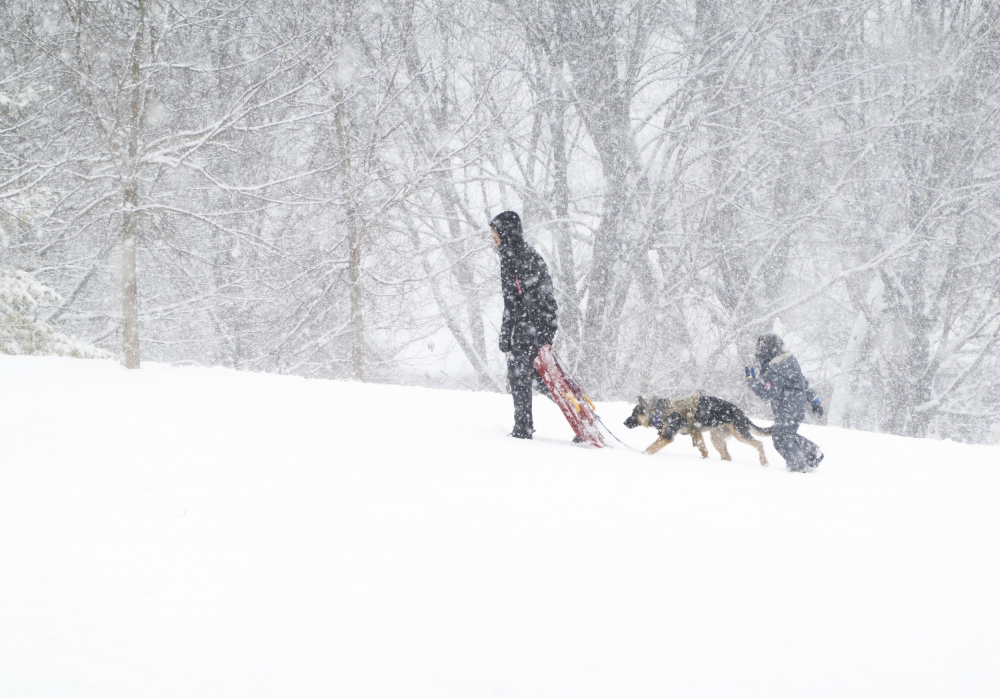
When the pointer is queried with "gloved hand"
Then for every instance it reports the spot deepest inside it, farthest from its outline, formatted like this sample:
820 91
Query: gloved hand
817 407
750 373
504 344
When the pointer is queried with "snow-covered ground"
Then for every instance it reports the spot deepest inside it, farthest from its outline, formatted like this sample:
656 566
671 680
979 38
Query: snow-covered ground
188 532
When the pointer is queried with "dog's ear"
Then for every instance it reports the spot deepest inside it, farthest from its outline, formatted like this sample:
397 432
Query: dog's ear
640 400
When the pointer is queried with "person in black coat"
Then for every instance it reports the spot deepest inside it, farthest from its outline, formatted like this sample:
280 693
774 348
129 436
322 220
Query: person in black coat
529 314
782 384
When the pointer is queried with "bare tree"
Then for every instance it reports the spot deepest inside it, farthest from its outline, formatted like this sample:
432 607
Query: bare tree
152 126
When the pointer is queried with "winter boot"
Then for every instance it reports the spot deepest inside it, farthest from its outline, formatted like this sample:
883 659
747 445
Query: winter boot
813 461
521 433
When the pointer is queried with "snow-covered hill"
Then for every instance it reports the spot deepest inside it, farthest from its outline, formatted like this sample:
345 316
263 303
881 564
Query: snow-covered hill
187 532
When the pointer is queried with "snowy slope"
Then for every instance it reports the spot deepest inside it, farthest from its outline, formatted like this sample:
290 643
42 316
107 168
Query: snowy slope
186 532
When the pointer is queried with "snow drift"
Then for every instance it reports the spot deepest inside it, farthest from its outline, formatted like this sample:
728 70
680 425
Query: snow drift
204 532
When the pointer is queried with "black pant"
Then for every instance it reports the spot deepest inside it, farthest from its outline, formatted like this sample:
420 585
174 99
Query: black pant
796 449
522 376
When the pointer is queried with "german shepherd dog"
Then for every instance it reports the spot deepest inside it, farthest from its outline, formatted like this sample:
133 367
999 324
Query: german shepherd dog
692 415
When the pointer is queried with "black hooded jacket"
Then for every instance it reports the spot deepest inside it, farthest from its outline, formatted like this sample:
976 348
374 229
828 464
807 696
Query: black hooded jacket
529 302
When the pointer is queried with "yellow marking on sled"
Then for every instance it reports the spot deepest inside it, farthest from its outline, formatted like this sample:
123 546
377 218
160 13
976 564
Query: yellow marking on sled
575 403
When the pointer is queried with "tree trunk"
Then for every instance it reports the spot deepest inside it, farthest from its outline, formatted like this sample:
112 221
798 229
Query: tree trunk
569 308
843 385
130 282
356 235
357 299
464 275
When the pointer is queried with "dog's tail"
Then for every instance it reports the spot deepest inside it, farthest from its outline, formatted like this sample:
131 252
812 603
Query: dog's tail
759 431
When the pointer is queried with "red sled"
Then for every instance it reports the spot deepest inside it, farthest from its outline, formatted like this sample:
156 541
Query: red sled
575 406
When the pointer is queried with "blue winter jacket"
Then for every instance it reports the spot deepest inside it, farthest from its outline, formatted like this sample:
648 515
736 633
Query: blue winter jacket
782 384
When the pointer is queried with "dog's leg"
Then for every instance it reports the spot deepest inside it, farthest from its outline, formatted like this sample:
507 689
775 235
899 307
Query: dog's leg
751 441
657 445
698 441
760 449
719 441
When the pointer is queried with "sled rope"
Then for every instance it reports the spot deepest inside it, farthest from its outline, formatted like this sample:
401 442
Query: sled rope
612 433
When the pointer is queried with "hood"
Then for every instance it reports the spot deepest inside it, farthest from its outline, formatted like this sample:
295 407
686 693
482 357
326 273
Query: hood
508 227
768 346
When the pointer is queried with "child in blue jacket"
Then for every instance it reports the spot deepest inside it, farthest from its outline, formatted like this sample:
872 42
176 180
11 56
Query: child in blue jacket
781 383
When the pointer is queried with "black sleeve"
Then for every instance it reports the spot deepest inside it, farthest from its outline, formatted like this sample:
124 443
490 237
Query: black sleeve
547 310
510 299
549 317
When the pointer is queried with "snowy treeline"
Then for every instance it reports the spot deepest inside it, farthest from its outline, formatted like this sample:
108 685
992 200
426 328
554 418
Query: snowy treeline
303 186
